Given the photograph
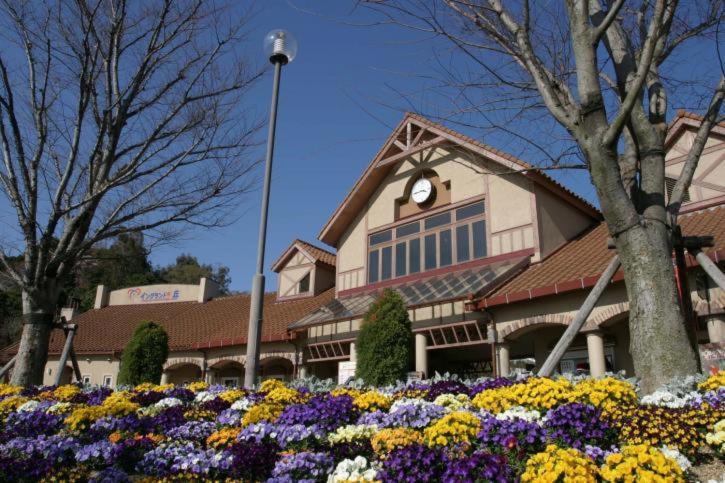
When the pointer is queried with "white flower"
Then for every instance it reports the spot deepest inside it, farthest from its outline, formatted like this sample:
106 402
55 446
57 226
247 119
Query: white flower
353 432
454 402
242 404
679 458
169 402
519 412
353 470
28 406
204 396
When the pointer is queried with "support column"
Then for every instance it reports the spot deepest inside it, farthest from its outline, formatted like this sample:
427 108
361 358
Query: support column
165 377
504 359
716 328
302 372
353 352
595 348
421 354
210 373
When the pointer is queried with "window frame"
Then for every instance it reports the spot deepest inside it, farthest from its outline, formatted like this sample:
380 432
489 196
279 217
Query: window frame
421 235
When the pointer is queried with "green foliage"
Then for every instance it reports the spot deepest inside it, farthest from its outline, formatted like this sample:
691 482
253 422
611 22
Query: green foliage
144 355
187 269
384 342
10 311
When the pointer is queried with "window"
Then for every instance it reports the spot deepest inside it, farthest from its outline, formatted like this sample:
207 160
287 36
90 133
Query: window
670 186
86 379
108 381
230 381
304 285
441 240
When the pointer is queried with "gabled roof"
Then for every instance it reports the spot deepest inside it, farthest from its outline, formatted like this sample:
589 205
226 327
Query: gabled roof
683 120
319 255
222 321
431 134
580 262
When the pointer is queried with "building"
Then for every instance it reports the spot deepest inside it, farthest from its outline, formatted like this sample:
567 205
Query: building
492 257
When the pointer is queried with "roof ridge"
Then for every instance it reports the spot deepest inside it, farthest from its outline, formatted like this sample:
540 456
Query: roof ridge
315 246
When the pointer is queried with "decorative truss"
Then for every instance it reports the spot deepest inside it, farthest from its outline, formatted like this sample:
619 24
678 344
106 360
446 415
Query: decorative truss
414 139
329 351
460 334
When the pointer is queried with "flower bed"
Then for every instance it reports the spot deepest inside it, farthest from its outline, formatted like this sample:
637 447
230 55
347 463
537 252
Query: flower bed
532 429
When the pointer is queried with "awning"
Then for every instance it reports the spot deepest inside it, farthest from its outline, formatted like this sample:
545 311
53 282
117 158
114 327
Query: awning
475 282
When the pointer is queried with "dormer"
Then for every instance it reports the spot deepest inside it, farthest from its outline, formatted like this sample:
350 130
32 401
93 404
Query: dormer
708 183
304 270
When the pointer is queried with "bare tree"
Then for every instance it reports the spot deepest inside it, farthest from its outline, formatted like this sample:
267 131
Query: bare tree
115 117
597 69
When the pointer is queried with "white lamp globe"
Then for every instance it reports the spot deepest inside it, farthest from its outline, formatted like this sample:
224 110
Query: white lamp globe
280 46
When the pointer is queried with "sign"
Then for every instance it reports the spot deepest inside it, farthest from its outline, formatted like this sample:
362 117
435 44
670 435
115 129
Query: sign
139 295
712 357
345 371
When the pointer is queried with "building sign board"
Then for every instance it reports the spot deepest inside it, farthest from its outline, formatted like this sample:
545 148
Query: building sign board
139 295
154 294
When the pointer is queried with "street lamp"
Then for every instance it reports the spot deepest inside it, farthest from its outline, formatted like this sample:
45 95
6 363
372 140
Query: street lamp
281 47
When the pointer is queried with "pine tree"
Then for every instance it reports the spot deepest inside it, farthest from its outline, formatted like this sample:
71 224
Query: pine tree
384 341
144 355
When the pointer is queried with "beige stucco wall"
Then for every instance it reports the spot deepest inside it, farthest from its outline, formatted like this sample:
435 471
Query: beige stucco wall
508 205
557 221
709 179
96 367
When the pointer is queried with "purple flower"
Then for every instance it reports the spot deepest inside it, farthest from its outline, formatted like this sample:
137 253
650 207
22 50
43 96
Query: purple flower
192 431
414 463
479 467
577 425
109 475
217 405
176 458
96 396
512 435
147 398
299 436
252 461
378 418
96 455
32 458
181 393
445 387
229 417
414 415
304 467
489 384
30 424
327 412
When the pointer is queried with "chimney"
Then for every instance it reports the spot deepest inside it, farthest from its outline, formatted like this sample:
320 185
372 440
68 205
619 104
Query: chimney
208 289
102 293
68 313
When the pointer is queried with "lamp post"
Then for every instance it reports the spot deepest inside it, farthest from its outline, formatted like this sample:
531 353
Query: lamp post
281 47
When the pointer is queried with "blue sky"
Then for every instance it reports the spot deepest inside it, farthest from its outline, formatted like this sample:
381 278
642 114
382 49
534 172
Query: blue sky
338 104
339 101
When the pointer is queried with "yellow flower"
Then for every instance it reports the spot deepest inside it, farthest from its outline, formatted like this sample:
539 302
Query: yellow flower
270 385
453 428
559 464
344 391
386 440
10 404
282 396
197 386
454 402
261 412
65 393
352 432
198 414
223 438
232 395
641 463
606 393
82 417
713 382
8 390
372 401
540 393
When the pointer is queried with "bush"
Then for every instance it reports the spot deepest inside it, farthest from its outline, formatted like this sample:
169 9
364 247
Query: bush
384 342
144 355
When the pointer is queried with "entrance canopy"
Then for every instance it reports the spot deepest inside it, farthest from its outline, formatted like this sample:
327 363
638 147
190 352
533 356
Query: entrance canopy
468 283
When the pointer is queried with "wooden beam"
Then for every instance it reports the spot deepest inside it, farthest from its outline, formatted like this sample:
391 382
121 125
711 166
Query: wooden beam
7 366
67 347
418 136
402 146
416 149
709 266
581 317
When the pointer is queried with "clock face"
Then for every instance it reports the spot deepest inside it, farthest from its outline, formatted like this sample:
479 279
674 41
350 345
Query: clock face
422 190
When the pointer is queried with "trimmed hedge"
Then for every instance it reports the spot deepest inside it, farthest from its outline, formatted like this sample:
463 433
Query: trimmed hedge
384 341
144 355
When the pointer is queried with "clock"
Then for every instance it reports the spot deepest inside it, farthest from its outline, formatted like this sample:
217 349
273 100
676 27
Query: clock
422 190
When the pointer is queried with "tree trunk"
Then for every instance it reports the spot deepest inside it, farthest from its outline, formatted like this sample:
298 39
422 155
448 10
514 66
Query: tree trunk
659 343
38 314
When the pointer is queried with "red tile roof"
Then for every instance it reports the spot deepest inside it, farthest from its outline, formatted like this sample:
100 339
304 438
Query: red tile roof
579 263
320 255
220 321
